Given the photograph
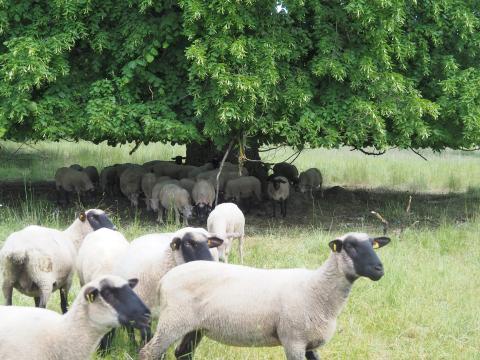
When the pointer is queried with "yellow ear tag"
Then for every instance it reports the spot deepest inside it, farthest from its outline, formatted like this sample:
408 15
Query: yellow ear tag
334 247
90 298
82 217
376 245
209 242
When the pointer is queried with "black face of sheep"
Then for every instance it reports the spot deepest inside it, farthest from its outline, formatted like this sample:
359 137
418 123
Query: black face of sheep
203 210
179 159
195 246
97 220
361 252
129 307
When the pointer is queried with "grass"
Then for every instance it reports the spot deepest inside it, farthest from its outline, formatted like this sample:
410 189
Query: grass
425 307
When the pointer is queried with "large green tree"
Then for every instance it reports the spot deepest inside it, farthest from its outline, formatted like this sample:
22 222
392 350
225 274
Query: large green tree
312 73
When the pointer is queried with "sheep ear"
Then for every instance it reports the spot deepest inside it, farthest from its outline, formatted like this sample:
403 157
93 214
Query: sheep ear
132 283
214 241
380 241
82 216
336 245
175 244
90 294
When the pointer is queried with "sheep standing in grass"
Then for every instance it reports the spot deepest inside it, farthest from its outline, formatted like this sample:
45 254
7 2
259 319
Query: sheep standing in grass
172 197
243 188
38 260
68 180
92 173
148 182
203 195
278 189
225 219
294 308
130 183
148 258
40 334
310 180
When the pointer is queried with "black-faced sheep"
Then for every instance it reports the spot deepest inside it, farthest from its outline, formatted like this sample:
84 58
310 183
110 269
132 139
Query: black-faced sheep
287 170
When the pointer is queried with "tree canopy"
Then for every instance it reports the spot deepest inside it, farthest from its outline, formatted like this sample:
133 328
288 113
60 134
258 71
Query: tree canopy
302 73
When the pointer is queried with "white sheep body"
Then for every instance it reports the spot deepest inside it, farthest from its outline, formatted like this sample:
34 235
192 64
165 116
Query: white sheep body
203 193
130 183
98 254
177 198
243 187
283 191
72 180
310 180
227 218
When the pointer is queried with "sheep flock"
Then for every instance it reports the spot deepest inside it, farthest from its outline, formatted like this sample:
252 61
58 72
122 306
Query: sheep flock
181 279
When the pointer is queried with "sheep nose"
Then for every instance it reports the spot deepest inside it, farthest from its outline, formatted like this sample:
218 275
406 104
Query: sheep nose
378 267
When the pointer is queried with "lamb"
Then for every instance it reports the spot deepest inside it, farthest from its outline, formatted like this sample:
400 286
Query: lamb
92 173
203 195
174 197
68 180
38 260
150 257
310 180
294 308
40 334
278 189
225 219
242 188
98 254
130 183
287 170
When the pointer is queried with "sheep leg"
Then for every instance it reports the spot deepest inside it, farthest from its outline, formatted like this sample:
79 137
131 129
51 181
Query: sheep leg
7 293
295 351
186 349
64 300
311 355
37 301
177 216
168 331
240 248
285 208
273 206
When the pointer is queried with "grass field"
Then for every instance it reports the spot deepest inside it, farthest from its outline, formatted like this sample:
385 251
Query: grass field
425 307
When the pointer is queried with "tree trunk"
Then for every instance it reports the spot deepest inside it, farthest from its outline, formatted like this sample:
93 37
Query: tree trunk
199 154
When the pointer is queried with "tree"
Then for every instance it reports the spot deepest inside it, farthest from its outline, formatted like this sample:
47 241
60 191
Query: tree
301 73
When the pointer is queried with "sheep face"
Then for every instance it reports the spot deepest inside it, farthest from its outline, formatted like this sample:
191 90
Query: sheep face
97 219
194 246
357 255
187 211
203 210
111 302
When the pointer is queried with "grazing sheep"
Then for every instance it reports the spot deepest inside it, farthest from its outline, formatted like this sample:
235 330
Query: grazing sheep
150 257
242 188
40 334
310 180
98 253
187 184
92 173
157 188
173 197
294 308
203 196
278 189
287 170
130 183
68 180
38 260
225 219
108 180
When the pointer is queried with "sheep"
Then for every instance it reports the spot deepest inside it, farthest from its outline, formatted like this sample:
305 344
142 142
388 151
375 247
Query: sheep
294 308
203 195
147 183
187 184
178 159
278 189
68 180
38 260
41 334
260 171
149 257
287 170
108 180
310 180
76 167
173 197
157 188
130 183
199 169
227 218
92 173
242 188
98 254
168 169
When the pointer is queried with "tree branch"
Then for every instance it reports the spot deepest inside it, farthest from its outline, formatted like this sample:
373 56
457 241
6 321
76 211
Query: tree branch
384 222
417 153
137 144
220 170
369 153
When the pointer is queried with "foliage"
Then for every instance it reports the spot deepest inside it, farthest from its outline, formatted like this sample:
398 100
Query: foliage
300 72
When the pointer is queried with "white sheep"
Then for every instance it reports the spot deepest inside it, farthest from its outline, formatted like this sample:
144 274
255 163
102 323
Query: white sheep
278 189
294 308
98 254
173 197
147 183
149 257
69 180
242 188
38 260
310 180
130 183
203 196
225 219
41 334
